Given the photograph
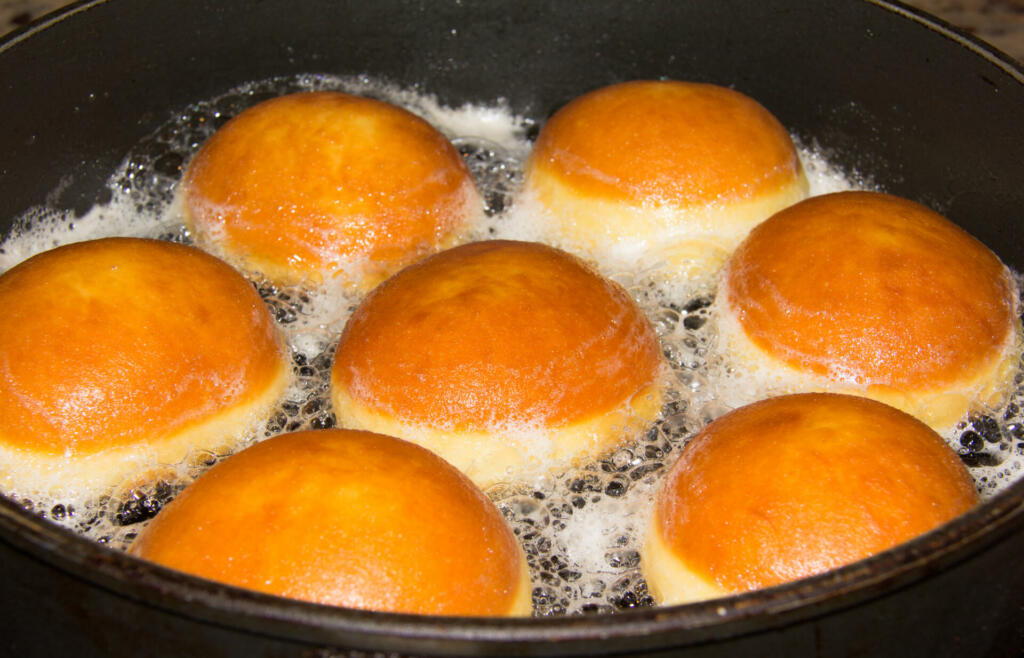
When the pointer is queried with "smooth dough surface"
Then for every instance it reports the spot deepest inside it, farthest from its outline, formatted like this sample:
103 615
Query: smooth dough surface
122 352
679 169
794 486
498 354
345 518
319 185
870 293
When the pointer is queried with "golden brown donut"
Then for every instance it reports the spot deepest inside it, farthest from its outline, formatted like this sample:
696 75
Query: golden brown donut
679 171
794 486
120 354
867 293
345 518
311 186
503 357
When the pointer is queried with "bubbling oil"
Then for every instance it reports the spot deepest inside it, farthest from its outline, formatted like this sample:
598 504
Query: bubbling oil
582 529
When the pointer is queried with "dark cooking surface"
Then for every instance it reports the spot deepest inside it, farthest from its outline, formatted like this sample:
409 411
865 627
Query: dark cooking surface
923 110
998 22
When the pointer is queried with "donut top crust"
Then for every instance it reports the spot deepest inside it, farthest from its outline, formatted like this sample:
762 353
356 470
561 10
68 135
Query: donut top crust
344 518
797 485
871 289
115 341
494 334
666 142
310 183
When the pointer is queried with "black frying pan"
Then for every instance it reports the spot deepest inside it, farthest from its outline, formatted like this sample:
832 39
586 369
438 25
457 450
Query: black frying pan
927 112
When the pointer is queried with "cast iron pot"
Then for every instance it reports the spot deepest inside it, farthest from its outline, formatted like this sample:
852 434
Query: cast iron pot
930 113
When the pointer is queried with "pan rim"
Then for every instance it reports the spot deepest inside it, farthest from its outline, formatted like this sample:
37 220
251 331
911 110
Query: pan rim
275 617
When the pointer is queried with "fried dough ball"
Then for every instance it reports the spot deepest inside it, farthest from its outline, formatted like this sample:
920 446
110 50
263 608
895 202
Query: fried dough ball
868 293
794 486
119 354
506 358
345 518
679 171
316 186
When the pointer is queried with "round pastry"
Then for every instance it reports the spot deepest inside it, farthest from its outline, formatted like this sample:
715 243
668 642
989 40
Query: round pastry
121 354
345 518
505 358
313 186
794 486
678 171
867 293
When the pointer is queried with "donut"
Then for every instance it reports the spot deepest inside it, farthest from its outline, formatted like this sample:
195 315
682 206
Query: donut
670 170
119 354
319 186
794 486
506 358
871 294
345 518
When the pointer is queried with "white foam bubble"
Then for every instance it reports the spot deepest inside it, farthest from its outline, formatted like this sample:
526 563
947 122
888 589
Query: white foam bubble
824 177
